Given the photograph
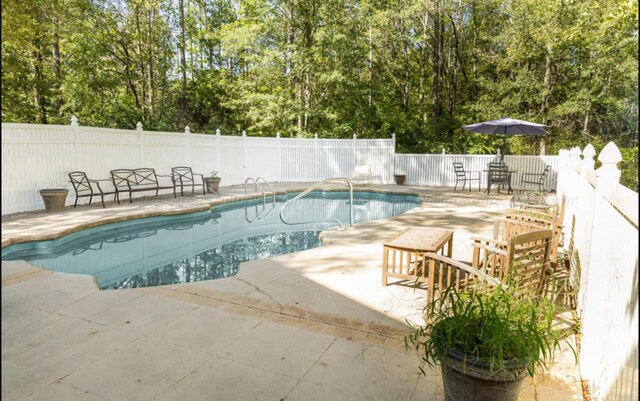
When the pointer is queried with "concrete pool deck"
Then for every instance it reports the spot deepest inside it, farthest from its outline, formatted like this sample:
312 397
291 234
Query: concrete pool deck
313 325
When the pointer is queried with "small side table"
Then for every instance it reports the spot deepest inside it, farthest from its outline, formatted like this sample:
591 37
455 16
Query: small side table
403 254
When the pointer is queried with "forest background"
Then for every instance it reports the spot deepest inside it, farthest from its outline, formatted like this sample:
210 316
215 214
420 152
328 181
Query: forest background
417 68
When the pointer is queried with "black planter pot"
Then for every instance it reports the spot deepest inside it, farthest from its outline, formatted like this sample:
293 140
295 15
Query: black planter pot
399 178
472 380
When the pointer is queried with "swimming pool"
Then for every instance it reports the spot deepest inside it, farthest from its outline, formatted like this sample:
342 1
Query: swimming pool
204 245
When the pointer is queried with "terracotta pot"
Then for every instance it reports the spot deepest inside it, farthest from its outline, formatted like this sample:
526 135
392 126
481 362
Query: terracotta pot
54 199
213 184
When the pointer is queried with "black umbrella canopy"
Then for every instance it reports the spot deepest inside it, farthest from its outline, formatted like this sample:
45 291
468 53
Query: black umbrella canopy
507 126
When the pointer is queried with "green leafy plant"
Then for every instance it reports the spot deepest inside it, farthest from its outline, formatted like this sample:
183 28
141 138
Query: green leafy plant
497 326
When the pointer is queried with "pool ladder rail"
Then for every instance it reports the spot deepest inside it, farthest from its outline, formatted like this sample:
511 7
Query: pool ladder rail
258 187
311 188
265 211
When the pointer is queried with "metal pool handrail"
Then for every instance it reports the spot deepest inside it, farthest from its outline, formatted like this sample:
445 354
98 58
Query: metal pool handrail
311 188
257 186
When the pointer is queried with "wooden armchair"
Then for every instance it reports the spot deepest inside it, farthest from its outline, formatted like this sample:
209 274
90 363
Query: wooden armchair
531 218
523 257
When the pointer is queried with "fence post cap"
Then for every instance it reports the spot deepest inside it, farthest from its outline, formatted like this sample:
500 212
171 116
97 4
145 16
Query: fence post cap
610 156
315 136
355 136
393 136
244 133
277 135
187 130
74 121
589 151
139 125
217 131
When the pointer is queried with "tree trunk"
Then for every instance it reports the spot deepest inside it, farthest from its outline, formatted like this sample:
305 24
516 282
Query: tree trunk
39 99
183 65
57 71
143 67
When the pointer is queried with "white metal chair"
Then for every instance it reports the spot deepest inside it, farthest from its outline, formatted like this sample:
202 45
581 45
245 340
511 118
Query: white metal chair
362 174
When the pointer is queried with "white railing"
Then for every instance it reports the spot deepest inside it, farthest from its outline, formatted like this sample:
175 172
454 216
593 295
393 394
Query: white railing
36 157
601 222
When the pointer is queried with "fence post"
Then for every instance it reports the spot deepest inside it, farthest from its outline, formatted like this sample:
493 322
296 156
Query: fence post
355 155
599 270
561 183
218 152
140 144
588 153
246 160
316 168
574 158
76 144
442 167
279 143
390 176
187 138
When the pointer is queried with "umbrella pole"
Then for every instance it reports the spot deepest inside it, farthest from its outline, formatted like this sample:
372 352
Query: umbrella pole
504 148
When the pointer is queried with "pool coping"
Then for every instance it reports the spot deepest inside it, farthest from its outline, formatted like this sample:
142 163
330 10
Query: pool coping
201 206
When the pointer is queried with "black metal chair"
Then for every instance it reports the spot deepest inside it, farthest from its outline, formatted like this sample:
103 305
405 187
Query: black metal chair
535 179
184 177
499 174
464 176
84 187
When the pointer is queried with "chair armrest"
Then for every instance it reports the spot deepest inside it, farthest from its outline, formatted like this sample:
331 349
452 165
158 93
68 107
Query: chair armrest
465 267
497 242
98 184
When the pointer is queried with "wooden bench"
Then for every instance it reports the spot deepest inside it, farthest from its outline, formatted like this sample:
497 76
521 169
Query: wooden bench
138 180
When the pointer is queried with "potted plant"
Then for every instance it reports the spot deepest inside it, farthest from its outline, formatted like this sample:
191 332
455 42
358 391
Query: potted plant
213 182
54 198
486 341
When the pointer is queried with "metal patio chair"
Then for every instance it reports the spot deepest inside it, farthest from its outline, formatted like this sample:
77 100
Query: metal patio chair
535 179
185 177
464 176
84 187
499 174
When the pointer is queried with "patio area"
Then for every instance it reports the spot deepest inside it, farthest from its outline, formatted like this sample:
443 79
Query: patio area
311 325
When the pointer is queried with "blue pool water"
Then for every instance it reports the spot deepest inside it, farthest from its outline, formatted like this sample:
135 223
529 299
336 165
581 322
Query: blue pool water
205 245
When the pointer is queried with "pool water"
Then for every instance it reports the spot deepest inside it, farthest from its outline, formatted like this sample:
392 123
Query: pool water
204 245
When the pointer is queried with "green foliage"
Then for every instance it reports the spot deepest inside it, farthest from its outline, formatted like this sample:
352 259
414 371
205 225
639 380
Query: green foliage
495 326
335 68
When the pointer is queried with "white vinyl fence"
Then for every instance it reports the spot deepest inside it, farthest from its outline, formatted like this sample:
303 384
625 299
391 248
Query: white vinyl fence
601 226
437 170
36 157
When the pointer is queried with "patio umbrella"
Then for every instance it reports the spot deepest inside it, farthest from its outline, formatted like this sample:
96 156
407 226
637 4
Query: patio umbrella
507 126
